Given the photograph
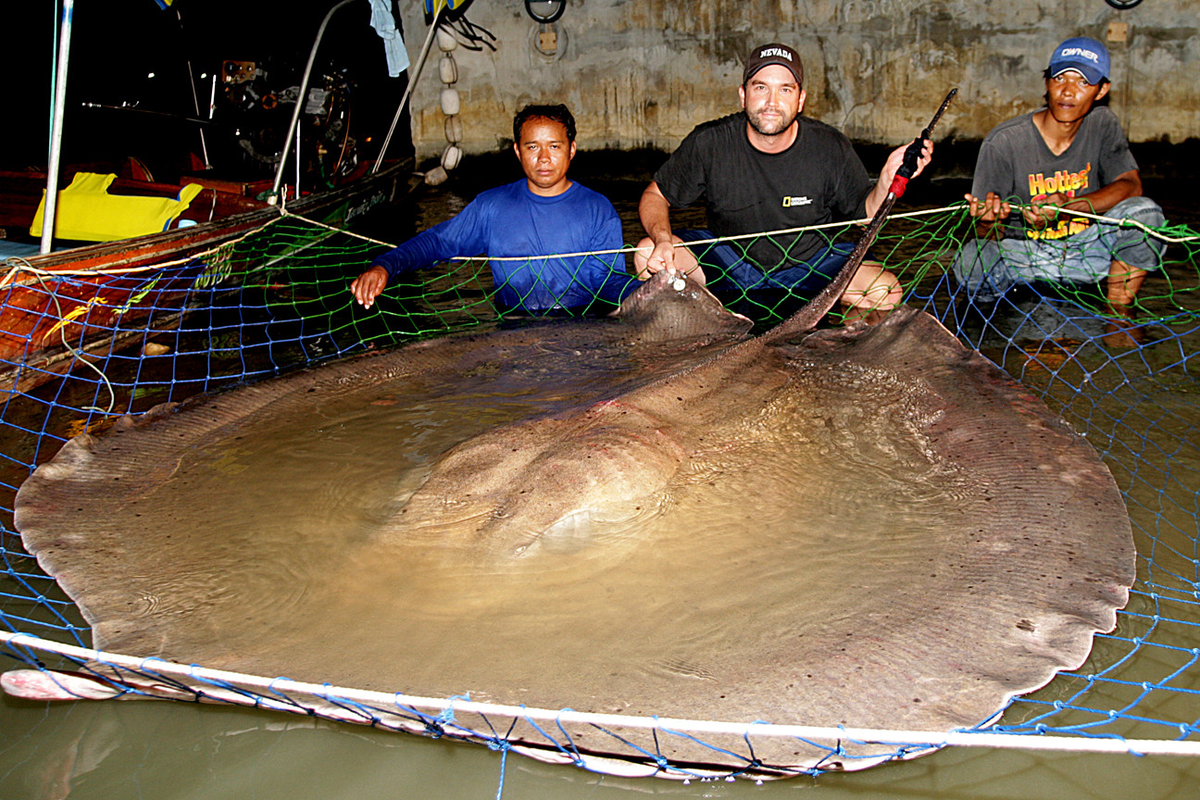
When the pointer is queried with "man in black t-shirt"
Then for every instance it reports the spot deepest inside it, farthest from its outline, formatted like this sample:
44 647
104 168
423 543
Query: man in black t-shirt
768 169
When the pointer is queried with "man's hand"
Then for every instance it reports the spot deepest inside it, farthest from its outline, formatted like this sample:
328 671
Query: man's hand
896 158
366 287
655 213
1044 211
887 175
660 258
988 212
989 209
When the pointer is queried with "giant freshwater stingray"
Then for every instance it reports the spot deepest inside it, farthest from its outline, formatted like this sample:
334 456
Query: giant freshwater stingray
657 514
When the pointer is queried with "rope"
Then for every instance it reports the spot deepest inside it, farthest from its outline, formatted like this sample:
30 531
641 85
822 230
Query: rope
276 297
436 706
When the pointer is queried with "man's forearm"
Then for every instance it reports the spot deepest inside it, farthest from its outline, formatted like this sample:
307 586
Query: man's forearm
1098 203
1126 185
875 198
655 214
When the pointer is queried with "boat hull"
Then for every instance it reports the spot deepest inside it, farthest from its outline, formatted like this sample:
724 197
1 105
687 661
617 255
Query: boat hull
57 308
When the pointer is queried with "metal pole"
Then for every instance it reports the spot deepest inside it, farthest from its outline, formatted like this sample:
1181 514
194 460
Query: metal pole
312 56
195 97
56 127
283 197
413 74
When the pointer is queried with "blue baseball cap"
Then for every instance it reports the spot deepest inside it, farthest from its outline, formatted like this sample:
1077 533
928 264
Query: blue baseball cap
1086 56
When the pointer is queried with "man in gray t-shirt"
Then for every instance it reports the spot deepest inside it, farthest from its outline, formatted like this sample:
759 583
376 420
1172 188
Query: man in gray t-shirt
1032 170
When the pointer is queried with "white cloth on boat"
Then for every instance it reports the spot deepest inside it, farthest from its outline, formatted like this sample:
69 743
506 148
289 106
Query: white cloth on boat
393 43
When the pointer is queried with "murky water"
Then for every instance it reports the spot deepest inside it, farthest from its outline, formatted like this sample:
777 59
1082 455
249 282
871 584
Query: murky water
171 750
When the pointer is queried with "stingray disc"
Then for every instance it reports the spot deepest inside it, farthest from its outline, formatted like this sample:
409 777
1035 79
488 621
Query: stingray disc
870 527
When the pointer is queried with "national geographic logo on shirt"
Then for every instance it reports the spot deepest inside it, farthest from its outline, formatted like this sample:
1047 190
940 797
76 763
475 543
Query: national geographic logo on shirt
792 202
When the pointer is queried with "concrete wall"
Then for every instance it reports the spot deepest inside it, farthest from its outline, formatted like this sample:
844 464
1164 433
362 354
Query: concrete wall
642 73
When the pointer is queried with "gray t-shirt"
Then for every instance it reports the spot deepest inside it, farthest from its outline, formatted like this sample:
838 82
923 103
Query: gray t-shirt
1014 162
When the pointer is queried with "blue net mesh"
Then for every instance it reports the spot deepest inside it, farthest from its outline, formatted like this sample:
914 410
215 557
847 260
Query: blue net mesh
78 350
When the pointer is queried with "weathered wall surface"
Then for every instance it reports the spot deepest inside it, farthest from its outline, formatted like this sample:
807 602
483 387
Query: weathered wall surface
642 73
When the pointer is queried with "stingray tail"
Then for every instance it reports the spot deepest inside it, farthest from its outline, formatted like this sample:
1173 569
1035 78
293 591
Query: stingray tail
807 318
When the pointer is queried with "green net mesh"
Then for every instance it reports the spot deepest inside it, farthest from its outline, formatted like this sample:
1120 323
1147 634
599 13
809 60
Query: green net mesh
80 349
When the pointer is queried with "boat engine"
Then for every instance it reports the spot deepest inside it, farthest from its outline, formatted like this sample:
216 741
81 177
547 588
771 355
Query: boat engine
257 103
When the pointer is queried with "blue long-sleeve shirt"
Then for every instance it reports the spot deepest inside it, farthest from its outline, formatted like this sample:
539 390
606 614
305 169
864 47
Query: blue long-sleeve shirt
513 221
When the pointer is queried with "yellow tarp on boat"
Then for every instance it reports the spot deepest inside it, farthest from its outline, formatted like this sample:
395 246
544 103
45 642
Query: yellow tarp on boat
87 212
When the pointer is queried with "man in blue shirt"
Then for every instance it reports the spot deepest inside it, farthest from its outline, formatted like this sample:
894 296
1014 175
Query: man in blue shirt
544 214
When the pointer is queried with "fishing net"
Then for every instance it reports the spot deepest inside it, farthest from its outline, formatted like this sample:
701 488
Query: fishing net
277 299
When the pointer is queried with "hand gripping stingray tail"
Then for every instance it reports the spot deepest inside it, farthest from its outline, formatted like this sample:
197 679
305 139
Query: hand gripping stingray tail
807 317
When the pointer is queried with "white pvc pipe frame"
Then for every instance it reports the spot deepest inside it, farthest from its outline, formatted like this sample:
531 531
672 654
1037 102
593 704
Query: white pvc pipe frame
959 738
60 91
300 101
413 74
50 209
293 129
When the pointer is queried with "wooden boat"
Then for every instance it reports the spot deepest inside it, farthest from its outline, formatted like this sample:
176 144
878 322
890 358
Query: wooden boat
44 299
57 307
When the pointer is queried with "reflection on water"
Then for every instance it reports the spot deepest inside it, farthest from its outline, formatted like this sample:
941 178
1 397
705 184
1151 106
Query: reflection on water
173 751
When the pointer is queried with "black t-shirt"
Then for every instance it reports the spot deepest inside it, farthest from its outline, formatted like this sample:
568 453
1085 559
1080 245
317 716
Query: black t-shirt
818 179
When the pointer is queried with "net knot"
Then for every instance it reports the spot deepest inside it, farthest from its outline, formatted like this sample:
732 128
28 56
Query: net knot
499 745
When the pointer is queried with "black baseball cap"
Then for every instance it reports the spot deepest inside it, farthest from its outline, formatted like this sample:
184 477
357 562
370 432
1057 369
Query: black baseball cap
767 54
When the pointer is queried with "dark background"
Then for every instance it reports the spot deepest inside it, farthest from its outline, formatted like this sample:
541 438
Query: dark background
116 44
